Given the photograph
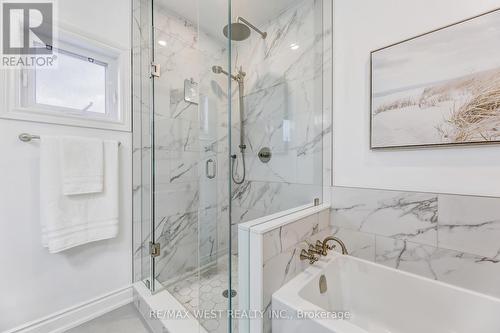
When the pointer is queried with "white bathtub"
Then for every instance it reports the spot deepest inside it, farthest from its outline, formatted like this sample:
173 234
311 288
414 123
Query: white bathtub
380 299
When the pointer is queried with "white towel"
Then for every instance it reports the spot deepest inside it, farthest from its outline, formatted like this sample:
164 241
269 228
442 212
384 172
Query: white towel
81 165
69 221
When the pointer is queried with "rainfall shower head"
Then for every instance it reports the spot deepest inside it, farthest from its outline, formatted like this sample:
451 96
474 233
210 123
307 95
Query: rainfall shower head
241 31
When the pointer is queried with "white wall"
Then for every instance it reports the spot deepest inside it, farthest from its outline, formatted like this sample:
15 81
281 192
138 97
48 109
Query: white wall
34 283
365 25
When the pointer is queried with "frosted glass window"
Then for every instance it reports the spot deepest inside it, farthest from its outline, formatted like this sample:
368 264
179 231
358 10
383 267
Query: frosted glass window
77 83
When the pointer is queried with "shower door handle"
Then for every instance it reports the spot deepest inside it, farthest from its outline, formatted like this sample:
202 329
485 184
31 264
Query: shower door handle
210 175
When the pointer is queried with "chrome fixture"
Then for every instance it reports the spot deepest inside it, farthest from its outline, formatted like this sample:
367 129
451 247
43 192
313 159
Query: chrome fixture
26 137
265 155
240 78
241 31
326 247
306 255
154 249
210 175
225 293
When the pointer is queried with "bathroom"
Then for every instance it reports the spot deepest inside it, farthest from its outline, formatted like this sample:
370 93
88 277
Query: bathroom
250 166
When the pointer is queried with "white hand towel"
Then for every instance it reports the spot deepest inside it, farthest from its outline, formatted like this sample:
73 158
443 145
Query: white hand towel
69 221
81 165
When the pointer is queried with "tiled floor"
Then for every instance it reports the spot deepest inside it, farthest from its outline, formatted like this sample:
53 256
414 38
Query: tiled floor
122 320
197 293
204 292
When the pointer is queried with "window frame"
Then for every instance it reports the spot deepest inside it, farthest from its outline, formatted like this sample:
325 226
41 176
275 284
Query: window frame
118 58
82 51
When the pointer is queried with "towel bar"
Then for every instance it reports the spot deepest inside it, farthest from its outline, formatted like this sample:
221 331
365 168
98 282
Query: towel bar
26 137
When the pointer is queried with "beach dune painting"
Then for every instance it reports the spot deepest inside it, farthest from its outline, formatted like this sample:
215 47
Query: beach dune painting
440 88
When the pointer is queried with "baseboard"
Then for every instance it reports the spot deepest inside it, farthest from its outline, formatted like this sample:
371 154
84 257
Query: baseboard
76 315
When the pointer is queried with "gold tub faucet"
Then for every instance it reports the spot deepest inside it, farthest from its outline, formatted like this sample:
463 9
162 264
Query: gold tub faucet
326 247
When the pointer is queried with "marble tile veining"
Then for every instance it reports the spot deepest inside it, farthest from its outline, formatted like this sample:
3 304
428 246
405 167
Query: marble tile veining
467 229
470 224
457 268
400 215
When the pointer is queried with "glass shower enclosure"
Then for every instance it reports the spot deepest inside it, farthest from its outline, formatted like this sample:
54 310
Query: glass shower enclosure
228 127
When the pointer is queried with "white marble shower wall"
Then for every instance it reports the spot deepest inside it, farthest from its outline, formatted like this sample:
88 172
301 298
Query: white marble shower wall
185 138
450 238
283 111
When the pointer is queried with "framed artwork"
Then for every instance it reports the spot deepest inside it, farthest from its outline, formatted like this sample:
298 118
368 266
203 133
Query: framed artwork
439 88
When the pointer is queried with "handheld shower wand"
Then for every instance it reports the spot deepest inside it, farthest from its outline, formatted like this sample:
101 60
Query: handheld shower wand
240 78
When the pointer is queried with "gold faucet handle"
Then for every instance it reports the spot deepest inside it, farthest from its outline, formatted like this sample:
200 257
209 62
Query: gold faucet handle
306 255
331 247
321 248
315 250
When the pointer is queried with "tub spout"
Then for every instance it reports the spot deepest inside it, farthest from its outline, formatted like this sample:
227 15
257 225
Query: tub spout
327 247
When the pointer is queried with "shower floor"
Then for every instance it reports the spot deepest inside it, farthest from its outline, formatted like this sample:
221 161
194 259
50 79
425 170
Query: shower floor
203 292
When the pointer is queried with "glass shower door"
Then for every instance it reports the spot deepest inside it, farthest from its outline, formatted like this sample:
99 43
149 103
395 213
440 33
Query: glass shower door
189 175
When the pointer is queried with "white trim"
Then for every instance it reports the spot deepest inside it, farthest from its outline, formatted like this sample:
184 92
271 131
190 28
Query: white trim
275 223
164 301
68 318
11 108
250 224
244 272
256 284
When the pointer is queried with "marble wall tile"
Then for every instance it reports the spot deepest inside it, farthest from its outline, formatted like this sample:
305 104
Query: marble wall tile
461 269
281 254
288 236
466 255
470 224
468 271
401 254
178 236
174 199
278 270
270 60
399 215
283 111
207 242
272 197
359 244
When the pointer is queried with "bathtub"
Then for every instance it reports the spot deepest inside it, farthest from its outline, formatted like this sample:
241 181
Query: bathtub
378 299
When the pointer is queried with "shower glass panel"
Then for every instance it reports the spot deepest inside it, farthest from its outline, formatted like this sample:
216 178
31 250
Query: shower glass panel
190 140
282 125
228 128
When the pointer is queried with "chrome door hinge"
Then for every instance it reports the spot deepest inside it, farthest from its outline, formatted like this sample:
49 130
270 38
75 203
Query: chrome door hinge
155 70
154 249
